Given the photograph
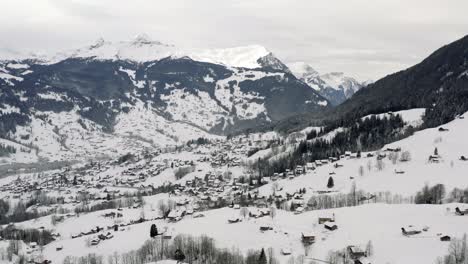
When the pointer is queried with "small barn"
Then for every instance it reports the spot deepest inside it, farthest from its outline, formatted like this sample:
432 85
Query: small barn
445 238
331 227
356 252
308 238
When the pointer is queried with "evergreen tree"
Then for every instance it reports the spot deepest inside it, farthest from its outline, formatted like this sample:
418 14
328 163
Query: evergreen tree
436 152
179 256
330 183
262 259
153 231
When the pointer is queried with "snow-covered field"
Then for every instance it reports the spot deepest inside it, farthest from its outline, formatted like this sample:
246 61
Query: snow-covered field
379 223
376 222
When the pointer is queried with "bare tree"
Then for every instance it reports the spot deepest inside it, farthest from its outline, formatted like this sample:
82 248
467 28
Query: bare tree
244 212
361 170
369 249
380 165
369 165
405 156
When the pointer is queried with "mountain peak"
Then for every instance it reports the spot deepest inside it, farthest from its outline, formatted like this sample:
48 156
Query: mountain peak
302 70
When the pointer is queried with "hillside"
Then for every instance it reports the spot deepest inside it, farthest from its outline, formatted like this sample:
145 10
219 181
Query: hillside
94 95
439 83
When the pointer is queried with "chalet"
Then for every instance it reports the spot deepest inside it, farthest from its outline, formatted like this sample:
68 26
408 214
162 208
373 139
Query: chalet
264 228
176 215
285 251
95 242
265 180
299 170
399 171
322 220
337 165
234 219
307 238
310 166
299 210
167 235
356 252
59 248
460 212
410 231
331 227
265 211
445 238
255 213
434 158
381 156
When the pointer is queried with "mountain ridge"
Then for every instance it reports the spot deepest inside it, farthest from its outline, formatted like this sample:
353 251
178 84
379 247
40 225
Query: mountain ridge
335 86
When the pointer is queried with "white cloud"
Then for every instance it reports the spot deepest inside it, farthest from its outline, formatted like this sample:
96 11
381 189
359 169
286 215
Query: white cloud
365 38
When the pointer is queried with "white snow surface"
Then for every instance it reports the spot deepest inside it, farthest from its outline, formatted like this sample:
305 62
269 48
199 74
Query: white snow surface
142 49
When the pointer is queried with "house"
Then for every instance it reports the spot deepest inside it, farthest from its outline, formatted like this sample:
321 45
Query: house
322 220
460 212
410 231
285 251
399 171
264 228
33 245
95 242
445 238
234 219
307 238
299 210
167 235
331 227
310 166
441 129
434 158
356 252
58 248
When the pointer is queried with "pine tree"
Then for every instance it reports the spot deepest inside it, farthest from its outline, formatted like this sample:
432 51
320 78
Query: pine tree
262 259
179 256
153 231
436 152
330 183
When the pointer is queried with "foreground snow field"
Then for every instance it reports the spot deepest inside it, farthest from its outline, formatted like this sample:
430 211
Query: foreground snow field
379 223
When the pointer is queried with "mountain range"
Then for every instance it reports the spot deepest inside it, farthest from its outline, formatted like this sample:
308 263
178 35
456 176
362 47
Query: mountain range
335 86
143 91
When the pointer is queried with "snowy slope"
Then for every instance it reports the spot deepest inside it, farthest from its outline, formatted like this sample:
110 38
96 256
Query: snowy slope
378 223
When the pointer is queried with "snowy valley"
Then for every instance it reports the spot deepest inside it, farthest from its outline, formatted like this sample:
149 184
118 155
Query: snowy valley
139 152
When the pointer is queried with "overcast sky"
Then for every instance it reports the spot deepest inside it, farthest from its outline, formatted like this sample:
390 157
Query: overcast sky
363 38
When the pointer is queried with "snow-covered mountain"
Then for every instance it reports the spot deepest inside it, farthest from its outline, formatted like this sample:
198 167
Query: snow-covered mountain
143 49
142 91
335 86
